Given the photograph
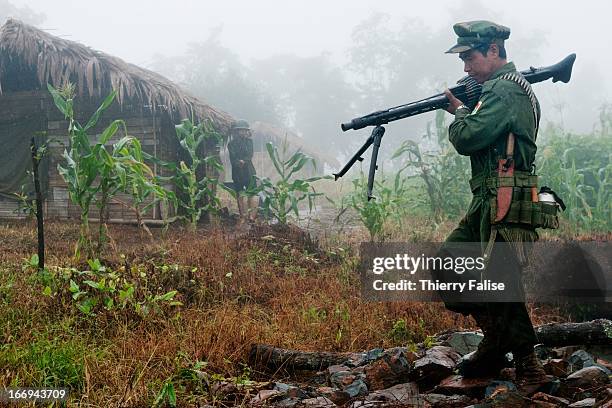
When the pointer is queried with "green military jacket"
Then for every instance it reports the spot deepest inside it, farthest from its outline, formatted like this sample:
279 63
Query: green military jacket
482 134
241 148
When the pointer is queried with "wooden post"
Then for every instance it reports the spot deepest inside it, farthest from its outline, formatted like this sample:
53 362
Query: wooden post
39 205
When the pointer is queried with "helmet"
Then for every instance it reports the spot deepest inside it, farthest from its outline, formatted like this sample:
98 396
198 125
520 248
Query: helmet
240 124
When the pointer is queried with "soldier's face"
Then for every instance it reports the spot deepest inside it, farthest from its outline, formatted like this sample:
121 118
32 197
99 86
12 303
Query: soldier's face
478 66
244 132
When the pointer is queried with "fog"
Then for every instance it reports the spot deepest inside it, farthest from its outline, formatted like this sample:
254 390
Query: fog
319 42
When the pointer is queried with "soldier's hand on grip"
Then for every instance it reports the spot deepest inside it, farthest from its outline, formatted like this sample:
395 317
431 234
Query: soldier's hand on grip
454 103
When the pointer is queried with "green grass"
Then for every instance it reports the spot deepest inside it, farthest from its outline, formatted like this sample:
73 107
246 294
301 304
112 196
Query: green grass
52 358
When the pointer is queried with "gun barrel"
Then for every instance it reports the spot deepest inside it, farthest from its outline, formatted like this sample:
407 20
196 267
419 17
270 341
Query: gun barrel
400 112
468 91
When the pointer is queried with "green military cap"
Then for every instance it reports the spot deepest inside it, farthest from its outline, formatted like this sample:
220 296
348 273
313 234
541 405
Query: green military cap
240 124
473 34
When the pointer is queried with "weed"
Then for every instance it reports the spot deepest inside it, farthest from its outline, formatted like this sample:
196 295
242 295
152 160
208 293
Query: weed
399 332
429 342
315 315
295 270
374 213
102 289
166 395
282 197
256 257
402 332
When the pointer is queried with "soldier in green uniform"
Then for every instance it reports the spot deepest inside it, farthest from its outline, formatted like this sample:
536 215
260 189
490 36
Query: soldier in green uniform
507 109
240 148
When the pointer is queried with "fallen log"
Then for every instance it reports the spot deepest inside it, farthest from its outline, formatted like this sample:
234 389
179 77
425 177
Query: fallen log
270 358
274 358
596 332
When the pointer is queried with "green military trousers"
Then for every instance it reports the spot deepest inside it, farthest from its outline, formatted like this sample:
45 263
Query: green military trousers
515 331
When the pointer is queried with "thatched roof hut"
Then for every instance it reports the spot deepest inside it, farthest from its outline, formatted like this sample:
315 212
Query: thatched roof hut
40 58
150 104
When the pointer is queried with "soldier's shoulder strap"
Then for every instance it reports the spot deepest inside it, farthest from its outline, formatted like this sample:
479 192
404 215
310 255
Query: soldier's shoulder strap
525 86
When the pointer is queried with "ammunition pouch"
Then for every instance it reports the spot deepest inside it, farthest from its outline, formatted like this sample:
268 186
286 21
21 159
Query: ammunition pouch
538 215
523 209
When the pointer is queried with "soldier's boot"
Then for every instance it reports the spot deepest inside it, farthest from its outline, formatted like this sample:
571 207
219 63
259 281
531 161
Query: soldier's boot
530 375
488 359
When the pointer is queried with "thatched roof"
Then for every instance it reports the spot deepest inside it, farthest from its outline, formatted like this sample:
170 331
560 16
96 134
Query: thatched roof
267 132
58 61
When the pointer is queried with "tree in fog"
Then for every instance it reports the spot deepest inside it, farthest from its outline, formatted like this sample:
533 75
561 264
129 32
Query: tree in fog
394 64
215 74
314 95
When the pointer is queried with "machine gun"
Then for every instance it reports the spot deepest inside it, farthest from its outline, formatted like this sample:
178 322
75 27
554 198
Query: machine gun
467 90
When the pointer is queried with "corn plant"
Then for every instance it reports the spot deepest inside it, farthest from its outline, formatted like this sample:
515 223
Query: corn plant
145 193
578 168
391 202
93 173
444 173
282 197
196 194
123 162
373 213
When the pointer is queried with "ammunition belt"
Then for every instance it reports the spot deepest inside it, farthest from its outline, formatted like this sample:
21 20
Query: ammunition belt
520 80
519 179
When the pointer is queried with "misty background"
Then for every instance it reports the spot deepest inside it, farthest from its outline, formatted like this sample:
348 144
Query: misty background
308 66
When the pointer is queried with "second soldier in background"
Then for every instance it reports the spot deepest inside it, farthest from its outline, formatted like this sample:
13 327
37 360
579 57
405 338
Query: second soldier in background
240 148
